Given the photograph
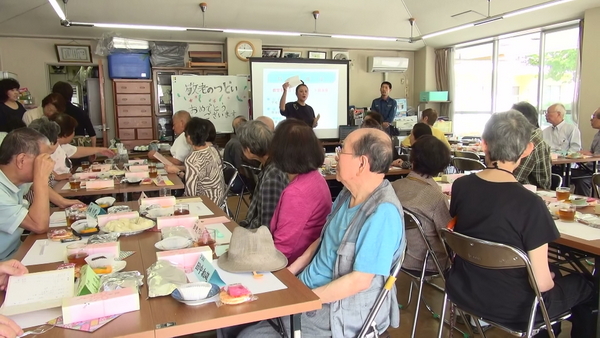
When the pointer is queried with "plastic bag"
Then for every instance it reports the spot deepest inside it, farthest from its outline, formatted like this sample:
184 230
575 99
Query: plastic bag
112 42
176 231
104 238
235 294
168 54
163 278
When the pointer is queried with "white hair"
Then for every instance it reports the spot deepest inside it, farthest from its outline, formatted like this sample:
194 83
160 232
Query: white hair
560 108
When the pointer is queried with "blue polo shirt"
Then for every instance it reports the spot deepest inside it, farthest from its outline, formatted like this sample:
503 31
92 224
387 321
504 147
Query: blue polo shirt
387 108
12 213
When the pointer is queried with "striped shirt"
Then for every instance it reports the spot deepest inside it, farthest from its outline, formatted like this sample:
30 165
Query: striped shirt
204 175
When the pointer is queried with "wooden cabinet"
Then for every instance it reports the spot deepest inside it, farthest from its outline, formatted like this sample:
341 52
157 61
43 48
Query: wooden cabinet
133 111
163 107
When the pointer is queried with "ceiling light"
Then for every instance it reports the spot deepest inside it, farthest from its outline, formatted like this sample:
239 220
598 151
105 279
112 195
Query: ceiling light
404 40
535 8
204 30
488 20
57 9
450 30
316 35
360 37
250 32
150 27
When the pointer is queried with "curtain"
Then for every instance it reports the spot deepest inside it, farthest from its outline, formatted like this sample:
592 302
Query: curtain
444 78
577 79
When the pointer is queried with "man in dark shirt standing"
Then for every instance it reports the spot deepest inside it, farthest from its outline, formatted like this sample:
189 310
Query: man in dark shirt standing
84 124
385 105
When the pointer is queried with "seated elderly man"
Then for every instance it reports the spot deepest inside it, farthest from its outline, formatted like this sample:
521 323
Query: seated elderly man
362 239
255 137
492 205
180 149
24 159
233 152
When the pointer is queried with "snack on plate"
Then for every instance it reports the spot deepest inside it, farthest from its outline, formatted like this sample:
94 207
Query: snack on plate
103 270
59 234
235 294
128 224
146 180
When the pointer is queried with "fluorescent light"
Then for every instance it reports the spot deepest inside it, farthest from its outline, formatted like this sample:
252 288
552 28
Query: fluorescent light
250 32
360 37
316 35
126 26
404 40
483 22
57 9
450 30
204 30
535 8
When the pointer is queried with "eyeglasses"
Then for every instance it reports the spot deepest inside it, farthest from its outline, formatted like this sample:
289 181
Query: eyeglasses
595 116
338 152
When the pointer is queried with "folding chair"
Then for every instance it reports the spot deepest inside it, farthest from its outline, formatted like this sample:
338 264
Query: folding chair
556 181
595 184
230 173
467 154
490 255
412 222
466 164
369 328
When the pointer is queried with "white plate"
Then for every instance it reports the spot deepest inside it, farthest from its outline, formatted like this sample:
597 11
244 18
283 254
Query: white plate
173 243
106 200
159 212
116 267
129 233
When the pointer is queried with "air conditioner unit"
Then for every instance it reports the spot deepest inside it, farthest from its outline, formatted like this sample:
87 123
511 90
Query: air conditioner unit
387 64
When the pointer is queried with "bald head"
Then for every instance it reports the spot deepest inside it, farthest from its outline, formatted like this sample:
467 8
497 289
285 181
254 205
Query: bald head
267 121
375 144
180 119
237 123
559 108
182 115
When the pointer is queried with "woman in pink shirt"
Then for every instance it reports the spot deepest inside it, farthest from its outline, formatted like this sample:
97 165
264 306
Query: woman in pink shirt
306 201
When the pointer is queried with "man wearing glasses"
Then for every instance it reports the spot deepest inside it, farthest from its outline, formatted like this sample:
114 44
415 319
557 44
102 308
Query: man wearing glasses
581 177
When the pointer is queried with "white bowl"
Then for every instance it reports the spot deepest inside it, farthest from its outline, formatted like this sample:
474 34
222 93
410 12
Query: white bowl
173 243
159 212
106 200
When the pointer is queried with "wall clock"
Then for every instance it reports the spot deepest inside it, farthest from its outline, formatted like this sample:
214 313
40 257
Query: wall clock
244 50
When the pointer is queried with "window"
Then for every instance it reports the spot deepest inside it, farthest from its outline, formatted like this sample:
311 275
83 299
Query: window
473 69
491 77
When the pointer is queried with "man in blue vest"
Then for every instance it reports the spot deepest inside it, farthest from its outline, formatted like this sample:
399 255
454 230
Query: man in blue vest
385 105
361 241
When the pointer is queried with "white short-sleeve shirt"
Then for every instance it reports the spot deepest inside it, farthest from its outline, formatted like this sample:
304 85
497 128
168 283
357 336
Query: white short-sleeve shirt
181 149
60 155
12 213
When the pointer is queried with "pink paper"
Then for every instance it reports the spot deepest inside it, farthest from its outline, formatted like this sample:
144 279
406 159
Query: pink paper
137 174
166 201
136 162
85 326
110 248
87 175
97 305
185 259
214 220
137 168
171 221
99 184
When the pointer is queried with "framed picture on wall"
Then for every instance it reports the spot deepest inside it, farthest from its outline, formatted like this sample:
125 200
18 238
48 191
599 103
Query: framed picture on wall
74 53
292 55
340 55
272 52
317 55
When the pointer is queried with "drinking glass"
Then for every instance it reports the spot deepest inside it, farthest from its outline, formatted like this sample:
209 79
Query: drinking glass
181 209
74 183
164 192
563 193
566 212
76 254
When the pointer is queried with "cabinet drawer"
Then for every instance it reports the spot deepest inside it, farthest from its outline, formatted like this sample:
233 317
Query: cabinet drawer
129 122
125 111
132 87
127 134
145 134
133 99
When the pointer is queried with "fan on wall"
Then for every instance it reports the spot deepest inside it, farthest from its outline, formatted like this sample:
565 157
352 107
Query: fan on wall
59 69
339 55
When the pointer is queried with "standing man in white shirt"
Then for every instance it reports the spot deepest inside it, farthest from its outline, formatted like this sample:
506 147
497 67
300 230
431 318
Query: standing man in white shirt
180 149
562 137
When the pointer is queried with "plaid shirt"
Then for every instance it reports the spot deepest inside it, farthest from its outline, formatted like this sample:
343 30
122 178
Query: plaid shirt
271 182
535 168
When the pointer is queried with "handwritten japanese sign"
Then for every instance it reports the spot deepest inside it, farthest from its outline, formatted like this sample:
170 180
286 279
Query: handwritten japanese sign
205 272
217 98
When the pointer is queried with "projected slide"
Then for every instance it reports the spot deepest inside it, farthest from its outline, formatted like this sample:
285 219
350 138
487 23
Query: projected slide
327 82
322 93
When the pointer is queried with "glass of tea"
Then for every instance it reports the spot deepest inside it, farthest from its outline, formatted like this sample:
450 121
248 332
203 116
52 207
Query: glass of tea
208 237
563 193
85 165
96 167
76 254
164 192
153 172
74 214
566 212
181 209
74 183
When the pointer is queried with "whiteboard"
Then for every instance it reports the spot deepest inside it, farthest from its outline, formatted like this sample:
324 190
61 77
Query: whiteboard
215 97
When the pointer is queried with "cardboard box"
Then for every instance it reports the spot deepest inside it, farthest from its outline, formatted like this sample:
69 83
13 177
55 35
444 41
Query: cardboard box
138 174
110 248
185 259
99 305
138 168
187 221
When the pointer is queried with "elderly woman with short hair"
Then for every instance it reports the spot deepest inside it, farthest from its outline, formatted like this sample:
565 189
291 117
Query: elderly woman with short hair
491 205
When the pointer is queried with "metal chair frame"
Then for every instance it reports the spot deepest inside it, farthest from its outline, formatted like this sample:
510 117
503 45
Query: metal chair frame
223 201
463 164
595 184
559 180
491 255
466 154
